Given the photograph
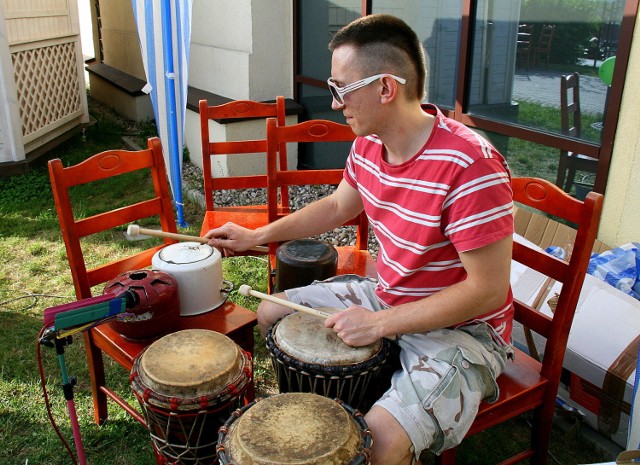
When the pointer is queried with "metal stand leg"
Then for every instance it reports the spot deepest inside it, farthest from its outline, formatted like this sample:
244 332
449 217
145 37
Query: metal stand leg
67 387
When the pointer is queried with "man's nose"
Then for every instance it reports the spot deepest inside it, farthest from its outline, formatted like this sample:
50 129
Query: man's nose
335 105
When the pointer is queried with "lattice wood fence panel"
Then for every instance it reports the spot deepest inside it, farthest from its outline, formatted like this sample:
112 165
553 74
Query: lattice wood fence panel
48 86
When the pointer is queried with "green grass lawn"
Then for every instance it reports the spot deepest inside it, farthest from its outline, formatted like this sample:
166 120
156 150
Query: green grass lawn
35 275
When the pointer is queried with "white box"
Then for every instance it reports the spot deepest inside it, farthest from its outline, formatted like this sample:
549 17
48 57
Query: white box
601 353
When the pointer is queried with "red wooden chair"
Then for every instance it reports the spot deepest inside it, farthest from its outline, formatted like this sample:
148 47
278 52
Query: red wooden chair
529 385
252 216
351 259
235 321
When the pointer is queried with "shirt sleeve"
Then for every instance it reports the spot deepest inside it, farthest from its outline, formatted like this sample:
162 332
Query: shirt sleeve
349 174
479 208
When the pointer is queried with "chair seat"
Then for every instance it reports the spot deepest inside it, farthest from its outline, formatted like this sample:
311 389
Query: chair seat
580 160
352 260
522 387
251 216
232 320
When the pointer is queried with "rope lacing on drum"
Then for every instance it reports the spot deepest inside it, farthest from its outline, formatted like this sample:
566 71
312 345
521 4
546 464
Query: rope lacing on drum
212 402
204 402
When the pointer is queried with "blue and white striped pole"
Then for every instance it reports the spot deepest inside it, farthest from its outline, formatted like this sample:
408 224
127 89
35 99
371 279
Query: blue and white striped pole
175 158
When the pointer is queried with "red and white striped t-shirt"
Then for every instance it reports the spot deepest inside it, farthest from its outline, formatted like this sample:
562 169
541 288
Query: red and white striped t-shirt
453 196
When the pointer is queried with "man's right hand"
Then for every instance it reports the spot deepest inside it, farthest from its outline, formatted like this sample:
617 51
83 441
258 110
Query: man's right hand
231 238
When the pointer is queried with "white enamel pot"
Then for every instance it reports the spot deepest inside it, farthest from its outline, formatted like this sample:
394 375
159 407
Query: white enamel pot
197 268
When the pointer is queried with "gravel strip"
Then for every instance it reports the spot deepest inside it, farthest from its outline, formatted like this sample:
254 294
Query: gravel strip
298 197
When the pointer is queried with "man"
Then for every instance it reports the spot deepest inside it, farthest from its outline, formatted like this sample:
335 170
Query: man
440 202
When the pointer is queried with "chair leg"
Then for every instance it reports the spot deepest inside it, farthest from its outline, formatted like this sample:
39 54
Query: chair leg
448 457
96 373
541 435
562 170
571 174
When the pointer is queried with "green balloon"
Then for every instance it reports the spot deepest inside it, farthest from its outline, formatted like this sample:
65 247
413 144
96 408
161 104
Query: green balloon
606 70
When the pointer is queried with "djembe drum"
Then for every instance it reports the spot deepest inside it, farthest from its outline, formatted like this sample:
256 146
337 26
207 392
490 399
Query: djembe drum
295 428
187 384
302 261
307 357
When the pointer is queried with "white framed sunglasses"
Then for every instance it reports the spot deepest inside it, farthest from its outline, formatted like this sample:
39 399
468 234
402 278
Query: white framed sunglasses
338 93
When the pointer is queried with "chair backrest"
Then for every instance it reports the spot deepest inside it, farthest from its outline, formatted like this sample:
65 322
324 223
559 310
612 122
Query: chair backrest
307 131
546 197
570 115
546 37
99 167
236 110
525 35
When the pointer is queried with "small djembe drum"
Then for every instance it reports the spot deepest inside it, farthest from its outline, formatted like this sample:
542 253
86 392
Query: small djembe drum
295 428
302 261
307 357
187 384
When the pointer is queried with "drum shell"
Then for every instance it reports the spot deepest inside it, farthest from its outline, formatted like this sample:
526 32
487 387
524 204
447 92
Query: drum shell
300 262
184 413
357 383
158 307
200 282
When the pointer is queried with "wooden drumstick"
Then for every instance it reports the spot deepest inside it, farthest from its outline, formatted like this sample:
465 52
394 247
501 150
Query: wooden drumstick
134 230
245 289
248 291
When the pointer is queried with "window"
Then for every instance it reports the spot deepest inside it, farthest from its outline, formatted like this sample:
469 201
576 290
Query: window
317 22
497 66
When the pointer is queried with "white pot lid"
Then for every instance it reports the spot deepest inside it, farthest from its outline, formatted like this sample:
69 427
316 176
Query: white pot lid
186 252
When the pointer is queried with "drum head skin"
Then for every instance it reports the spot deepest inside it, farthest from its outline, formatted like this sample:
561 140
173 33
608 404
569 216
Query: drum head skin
187 252
190 363
305 338
294 428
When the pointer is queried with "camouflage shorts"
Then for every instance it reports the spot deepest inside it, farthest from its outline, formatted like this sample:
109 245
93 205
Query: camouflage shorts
439 368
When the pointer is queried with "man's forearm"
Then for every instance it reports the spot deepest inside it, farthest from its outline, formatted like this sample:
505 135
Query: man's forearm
316 218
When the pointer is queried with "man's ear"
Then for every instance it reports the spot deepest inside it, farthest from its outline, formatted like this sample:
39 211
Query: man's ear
388 90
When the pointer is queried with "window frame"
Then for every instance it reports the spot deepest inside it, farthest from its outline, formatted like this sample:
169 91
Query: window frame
603 151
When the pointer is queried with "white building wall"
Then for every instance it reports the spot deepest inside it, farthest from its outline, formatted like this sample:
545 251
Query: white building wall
11 146
621 212
500 64
242 50
271 63
120 43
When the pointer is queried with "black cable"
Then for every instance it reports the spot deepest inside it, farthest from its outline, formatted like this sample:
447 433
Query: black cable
35 299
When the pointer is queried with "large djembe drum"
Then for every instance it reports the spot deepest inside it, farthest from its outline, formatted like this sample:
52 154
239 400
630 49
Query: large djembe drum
295 428
187 384
307 357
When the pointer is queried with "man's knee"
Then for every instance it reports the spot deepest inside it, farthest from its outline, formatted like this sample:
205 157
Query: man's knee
268 313
391 444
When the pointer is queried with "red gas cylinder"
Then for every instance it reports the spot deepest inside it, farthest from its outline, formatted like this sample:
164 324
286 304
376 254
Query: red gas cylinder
158 308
